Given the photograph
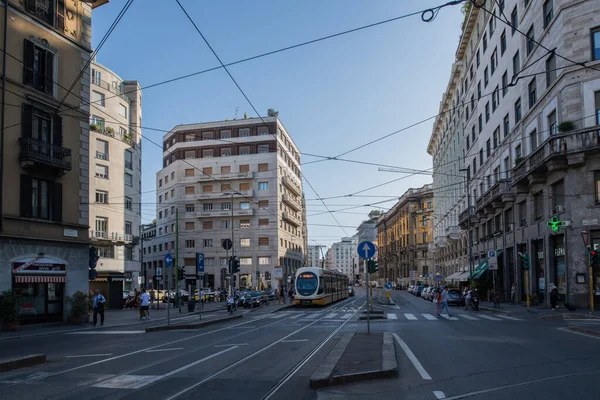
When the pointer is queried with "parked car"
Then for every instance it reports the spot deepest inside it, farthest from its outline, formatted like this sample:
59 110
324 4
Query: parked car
419 290
455 297
254 299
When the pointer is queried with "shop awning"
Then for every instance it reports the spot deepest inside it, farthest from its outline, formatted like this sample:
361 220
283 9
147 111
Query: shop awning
481 271
450 278
482 266
40 279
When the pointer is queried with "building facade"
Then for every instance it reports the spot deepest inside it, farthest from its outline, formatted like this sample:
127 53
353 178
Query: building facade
231 180
314 256
115 182
525 118
405 234
44 165
339 257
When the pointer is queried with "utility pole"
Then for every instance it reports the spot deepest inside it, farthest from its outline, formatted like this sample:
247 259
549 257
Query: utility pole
3 112
232 249
469 234
177 259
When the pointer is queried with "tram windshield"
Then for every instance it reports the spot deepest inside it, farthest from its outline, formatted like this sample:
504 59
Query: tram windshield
306 284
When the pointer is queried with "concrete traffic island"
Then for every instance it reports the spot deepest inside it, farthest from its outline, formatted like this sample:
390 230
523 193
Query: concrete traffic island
21 362
195 325
356 357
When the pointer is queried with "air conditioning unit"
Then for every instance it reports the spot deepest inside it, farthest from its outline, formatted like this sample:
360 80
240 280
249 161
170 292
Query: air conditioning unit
566 223
559 209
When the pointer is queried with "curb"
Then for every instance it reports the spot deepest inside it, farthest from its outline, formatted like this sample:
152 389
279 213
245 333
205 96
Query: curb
495 310
22 362
583 330
569 316
321 377
192 326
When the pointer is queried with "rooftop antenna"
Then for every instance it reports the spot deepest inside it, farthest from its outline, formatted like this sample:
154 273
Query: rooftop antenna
236 111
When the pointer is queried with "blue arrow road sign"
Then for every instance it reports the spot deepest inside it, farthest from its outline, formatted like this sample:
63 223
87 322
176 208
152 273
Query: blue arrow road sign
168 260
388 285
366 249
200 263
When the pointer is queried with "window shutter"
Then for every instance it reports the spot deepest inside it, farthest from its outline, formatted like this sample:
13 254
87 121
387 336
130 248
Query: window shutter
26 120
28 63
49 83
57 130
25 196
60 15
56 201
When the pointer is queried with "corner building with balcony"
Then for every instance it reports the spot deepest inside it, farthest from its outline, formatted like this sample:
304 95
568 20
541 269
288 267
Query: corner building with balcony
404 236
237 180
115 182
45 165
526 120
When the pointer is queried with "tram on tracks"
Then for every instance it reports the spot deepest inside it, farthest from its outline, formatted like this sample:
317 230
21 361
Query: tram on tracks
318 286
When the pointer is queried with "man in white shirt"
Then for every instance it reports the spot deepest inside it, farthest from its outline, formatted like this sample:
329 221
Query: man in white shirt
145 304
98 305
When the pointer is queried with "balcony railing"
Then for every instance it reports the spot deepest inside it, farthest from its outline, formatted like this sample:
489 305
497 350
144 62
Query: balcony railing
225 195
110 132
453 232
440 241
111 236
291 185
291 202
223 177
101 156
113 89
224 213
37 151
290 218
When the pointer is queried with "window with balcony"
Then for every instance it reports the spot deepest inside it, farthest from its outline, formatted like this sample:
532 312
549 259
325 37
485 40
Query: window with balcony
101 226
38 67
101 197
263 130
190 208
244 205
552 123
225 206
207 206
102 149
506 168
263 148
244 132
225 134
207 136
207 153
189 154
128 228
533 139
225 152
101 171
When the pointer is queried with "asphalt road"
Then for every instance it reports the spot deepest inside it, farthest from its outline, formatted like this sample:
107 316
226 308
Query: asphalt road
272 355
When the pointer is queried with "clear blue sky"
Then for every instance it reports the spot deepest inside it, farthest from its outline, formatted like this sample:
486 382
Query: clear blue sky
331 96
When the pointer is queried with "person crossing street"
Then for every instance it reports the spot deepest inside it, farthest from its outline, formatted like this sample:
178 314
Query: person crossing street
444 304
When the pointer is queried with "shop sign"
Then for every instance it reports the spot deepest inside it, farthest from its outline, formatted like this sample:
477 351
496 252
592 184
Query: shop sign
32 265
559 252
70 233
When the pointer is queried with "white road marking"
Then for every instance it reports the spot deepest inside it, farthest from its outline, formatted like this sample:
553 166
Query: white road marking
465 316
346 316
579 333
157 350
332 315
410 317
439 394
313 315
235 326
90 355
448 317
139 381
429 317
490 318
392 316
294 341
106 333
297 316
511 318
229 345
411 356
278 315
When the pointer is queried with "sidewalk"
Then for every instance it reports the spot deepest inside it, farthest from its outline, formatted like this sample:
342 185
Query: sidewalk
540 311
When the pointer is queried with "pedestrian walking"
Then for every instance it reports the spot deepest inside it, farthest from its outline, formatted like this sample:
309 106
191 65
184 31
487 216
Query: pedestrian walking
554 297
468 299
437 299
230 304
98 304
144 305
444 303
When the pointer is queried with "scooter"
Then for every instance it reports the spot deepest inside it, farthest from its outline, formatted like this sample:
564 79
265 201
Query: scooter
475 302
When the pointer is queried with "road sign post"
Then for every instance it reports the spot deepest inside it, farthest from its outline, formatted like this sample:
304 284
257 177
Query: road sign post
367 250
199 273
168 264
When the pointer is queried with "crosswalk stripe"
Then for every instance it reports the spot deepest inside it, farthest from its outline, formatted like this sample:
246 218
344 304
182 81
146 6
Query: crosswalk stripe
276 316
429 317
346 316
468 317
410 317
448 318
312 316
392 316
490 318
511 318
332 315
297 316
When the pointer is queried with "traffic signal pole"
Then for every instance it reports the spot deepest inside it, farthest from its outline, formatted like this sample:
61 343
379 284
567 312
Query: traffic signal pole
591 280
177 258
368 287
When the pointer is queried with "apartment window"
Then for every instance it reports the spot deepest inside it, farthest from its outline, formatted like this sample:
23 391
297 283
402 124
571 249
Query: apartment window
166 179
98 123
480 121
207 153
128 179
533 139
128 203
506 125
263 167
244 223
101 171
123 111
191 189
553 123
160 183
226 188
263 148
532 93
517 110
102 149
264 260
98 98
479 90
225 206
189 172
474 165
473 133
106 251
471 74
207 206
504 83
486 77
538 206
207 225
128 159
558 191
550 70
189 154
488 148
225 169
244 186
548 12
244 132
128 253
38 67
477 58
503 42
263 222
263 203
190 137
244 168
160 198
263 130
496 137
263 241
495 98
596 43
263 186
226 152
207 170
190 208
245 260
245 150
245 242
506 168
226 224
101 226
101 197
518 153
484 43
494 61
514 20
207 136
487 111
516 64
225 134
244 205
166 196
468 142
481 157
530 40
173 175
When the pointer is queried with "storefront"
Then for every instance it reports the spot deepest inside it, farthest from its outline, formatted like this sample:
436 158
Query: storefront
110 284
539 280
558 274
40 284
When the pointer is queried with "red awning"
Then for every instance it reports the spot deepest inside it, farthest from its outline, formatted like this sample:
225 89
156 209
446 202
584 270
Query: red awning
40 279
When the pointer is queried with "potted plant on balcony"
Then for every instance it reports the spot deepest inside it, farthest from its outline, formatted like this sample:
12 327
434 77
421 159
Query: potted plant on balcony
566 126
80 308
94 127
109 130
9 311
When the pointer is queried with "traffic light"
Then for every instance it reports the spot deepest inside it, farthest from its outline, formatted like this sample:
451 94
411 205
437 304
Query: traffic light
595 258
93 257
525 261
180 273
372 266
235 265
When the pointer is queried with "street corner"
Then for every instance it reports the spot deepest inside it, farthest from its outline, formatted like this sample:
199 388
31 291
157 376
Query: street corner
357 357
10 364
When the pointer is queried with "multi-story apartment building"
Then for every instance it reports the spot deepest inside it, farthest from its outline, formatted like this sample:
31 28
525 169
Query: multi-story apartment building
44 164
523 107
238 180
314 255
115 182
405 233
339 257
